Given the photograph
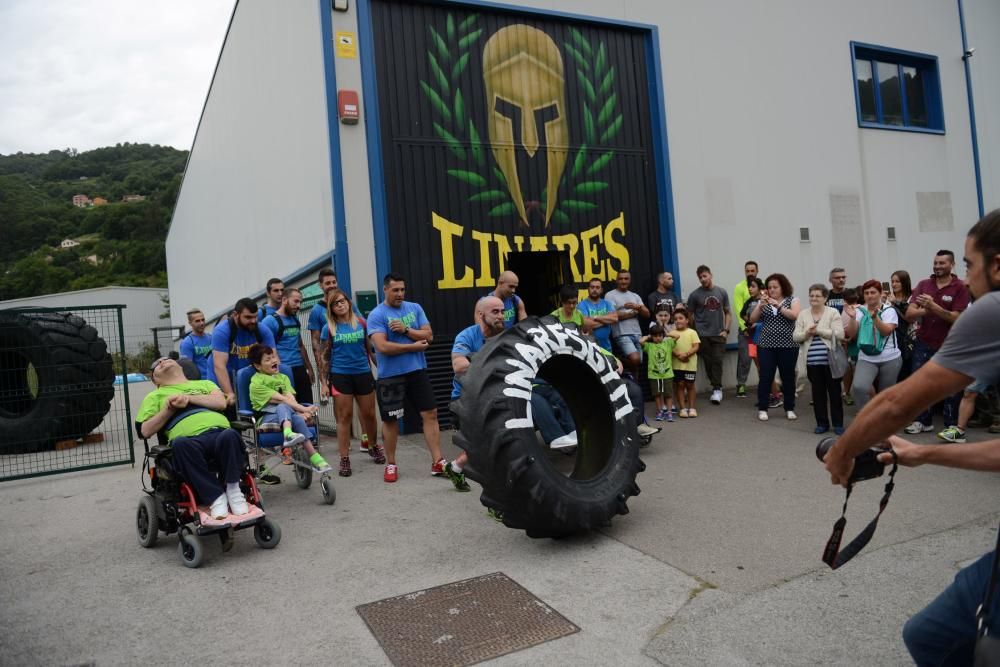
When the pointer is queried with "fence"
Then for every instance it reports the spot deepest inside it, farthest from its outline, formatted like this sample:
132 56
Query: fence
64 390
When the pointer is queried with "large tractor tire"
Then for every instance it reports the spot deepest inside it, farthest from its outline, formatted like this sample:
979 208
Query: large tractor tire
495 429
56 380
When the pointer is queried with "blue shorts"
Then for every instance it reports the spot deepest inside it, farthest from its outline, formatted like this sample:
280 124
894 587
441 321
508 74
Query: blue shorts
977 387
629 344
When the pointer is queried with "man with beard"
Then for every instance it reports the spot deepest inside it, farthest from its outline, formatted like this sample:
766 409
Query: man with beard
936 303
197 345
709 304
598 314
741 294
317 316
663 295
626 331
489 323
231 341
284 325
274 290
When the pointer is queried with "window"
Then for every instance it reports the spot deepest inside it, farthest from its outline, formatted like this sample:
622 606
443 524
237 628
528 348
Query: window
897 90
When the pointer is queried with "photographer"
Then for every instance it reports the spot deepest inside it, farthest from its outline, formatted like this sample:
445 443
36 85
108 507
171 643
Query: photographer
945 629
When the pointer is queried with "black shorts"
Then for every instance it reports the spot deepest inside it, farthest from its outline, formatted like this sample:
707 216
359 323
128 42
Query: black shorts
392 393
685 376
303 387
353 384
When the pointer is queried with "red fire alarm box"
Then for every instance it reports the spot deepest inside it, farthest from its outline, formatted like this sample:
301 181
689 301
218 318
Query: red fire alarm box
347 105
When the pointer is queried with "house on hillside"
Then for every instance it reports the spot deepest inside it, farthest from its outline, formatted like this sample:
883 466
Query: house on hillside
128 199
100 201
69 243
82 201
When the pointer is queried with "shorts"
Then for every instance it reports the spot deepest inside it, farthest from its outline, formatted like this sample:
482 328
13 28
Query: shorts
977 387
353 384
392 393
628 344
685 376
663 388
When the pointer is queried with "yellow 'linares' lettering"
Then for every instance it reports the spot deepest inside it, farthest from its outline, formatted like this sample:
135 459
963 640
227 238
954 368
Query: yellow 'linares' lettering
449 230
486 278
590 239
614 248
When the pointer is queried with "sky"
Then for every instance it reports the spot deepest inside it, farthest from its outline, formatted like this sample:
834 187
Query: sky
89 73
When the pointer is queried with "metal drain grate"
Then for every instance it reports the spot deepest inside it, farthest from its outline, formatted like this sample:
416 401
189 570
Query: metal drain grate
462 623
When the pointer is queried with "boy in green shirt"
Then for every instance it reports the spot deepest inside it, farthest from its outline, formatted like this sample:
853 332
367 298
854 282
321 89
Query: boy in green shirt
567 311
271 393
659 351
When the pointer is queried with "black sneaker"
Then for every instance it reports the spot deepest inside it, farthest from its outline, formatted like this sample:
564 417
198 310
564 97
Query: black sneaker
267 478
776 401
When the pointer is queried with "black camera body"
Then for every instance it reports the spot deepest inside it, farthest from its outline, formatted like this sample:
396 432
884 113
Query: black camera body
866 464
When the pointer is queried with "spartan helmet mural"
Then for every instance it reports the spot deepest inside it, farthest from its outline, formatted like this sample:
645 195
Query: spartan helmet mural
522 68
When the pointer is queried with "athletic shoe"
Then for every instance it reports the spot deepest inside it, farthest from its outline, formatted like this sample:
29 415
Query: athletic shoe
692 413
364 446
237 502
320 465
220 508
952 434
821 429
377 454
296 439
661 415
345 466
563 441
848 399
265 477
741 391
457 478
838 430
391 473
670 417
684 413
286 456
776 401
762 415
437 470
647 431
716 398
791 415
916 427
496 515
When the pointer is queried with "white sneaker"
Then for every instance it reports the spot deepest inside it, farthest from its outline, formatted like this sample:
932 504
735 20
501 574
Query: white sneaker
791 415
716 396
562 442
762 415
220 507
646 431
238 502
917 427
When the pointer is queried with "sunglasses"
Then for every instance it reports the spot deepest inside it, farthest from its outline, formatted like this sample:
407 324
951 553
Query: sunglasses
152 366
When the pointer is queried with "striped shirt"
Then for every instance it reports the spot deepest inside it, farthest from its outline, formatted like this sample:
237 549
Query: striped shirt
817 353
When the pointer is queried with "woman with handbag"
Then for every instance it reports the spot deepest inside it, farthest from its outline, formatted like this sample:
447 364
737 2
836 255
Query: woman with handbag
819 330
879 358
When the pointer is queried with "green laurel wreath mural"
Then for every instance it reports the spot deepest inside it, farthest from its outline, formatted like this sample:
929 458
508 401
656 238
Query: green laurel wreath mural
448 59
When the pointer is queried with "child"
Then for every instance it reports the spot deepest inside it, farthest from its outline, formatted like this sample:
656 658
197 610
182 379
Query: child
567 310
663 319
686 343
271 392
659 351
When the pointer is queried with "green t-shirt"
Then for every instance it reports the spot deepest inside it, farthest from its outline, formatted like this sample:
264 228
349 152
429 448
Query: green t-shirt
194 424
264 386
659 357
576 318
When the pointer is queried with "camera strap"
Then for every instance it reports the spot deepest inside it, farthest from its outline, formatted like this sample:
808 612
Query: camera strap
832 554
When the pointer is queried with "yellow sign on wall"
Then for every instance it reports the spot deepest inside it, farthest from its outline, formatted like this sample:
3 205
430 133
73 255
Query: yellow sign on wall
347 45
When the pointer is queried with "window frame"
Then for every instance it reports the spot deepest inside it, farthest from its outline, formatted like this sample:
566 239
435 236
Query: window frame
926 65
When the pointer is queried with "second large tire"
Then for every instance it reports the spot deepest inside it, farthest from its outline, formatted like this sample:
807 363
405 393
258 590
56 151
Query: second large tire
56 380
496 430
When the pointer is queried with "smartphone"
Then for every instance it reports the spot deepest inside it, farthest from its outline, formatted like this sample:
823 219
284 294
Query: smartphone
885 287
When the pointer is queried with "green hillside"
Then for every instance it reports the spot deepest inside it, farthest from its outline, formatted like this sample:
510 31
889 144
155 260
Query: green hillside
119 243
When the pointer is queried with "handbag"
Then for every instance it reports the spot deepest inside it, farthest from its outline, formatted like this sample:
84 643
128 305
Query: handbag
836 357
870 340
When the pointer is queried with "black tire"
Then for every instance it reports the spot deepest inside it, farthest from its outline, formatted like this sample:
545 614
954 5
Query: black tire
329 493
505 457
147 525
267 534
189 547
302 468
56 380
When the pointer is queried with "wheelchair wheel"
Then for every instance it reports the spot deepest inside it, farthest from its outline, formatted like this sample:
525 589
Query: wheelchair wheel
189 547
146 523
267 534
329 493
303 475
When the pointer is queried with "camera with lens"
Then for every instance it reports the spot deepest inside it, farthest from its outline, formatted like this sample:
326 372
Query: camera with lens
866 464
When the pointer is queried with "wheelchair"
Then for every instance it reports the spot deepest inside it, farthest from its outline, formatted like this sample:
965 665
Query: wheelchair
169 505
266 441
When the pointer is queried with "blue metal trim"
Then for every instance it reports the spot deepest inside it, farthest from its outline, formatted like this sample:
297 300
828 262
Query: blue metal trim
869 51
898 128
373 137
319 262
902 94
972 109
926 63
661 156
341 257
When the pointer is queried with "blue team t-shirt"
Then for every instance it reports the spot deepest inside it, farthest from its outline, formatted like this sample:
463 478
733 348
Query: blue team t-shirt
264 311
599 309
288 346
347 353
199 350
469 341
317 316
411 315
240 350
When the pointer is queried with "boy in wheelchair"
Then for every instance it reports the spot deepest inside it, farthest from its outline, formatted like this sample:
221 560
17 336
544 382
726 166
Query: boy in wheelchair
206 452
272 395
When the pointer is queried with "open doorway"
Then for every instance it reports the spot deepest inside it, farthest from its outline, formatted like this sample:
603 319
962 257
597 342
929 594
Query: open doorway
540 275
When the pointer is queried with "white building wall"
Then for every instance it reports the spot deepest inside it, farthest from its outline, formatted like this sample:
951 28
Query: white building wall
256 200
982 24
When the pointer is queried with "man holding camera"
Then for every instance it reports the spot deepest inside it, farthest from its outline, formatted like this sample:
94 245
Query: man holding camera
945 629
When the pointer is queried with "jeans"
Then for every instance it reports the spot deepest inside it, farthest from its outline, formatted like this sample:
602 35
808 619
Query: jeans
826 389
550 413
882 374
781 360
946 628
949 406
282 413
743 361
203 459
711 351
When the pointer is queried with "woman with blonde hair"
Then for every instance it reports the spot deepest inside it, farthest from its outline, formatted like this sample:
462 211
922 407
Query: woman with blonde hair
818 329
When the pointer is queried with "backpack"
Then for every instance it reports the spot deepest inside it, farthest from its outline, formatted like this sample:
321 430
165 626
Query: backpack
870 341
233 331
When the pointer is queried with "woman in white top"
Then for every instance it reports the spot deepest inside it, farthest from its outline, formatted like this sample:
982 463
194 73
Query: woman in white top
816 330
879 368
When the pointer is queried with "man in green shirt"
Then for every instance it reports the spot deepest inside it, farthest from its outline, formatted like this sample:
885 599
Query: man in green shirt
190 414
741 294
